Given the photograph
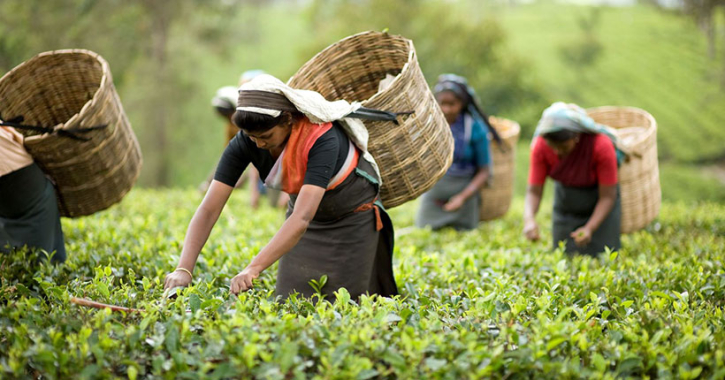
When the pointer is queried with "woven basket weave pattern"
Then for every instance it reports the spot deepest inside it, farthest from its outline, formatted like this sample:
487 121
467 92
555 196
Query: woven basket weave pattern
412 156
70 89
496 198
639 179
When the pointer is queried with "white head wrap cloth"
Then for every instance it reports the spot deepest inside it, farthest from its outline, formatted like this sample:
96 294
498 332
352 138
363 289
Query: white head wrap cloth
226 97
313 105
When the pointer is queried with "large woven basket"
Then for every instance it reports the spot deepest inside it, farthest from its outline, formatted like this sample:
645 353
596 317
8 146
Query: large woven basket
412 156
639 177
66 90
496 198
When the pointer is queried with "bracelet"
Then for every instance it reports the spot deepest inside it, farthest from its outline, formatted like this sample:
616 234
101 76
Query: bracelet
185 270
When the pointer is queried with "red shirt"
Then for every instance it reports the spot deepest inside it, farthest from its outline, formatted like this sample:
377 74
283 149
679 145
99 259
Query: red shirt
592 162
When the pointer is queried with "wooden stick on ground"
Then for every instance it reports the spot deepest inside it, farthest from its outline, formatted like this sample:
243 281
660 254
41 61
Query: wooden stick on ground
98 305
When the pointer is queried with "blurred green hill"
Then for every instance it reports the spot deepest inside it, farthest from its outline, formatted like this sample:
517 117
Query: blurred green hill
648 58
168 62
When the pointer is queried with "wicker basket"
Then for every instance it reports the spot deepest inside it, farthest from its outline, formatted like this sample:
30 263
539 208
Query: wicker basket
412 156
496 198
65 90
639 177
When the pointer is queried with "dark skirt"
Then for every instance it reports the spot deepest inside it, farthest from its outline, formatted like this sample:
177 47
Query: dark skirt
431 211
573 206
342 244
29 213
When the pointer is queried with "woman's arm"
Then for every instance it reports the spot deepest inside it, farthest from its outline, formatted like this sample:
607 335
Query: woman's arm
254 188
538 171
531 207
607 197
287 237
198 232
473 188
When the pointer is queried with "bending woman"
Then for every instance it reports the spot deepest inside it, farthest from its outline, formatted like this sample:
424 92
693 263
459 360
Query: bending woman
29 213
580 156
454 201
315 151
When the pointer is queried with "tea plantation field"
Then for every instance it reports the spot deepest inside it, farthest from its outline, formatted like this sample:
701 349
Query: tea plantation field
651 59
480 304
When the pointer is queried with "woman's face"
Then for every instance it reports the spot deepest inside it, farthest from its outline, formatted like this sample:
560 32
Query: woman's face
272 139
450 105
562 148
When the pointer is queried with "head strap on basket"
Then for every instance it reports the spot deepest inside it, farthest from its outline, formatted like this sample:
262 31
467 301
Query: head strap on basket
278 102
264 99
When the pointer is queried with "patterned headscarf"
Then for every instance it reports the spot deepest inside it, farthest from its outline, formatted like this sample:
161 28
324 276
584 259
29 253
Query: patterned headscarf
561 116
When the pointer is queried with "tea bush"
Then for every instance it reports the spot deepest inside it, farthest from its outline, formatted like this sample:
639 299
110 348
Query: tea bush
484 303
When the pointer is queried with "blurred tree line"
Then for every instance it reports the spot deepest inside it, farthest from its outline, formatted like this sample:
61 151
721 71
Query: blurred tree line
153 48
705 14
449 37
168 57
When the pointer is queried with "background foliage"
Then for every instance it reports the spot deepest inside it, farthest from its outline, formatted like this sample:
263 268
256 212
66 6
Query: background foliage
485 303
167 62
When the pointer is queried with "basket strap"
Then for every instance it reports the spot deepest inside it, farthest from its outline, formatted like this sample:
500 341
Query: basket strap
69 132
377 115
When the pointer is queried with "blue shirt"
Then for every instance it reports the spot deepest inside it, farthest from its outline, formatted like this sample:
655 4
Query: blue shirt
472 148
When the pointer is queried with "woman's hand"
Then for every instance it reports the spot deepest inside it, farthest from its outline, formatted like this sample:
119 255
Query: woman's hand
284 240
582 236
453 204
531 207
176 279
531 230
243 281
197 233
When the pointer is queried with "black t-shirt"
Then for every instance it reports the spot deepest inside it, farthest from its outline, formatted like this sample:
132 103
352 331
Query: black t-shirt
326 157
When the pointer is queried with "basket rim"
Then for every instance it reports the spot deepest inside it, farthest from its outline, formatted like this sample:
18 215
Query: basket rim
652 122
411 56
650 130
513 130
398 78
101 85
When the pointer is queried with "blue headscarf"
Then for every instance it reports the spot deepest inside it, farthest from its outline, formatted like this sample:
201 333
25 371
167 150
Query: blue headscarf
459 86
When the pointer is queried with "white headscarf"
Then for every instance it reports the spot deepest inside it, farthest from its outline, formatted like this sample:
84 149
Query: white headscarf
313 105
226 97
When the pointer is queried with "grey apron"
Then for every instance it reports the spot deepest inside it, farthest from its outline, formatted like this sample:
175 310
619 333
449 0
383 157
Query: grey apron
431 211
572 208
29 213
342 243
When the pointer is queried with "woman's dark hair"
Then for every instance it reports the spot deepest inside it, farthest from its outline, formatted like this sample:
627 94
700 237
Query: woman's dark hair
225 111
559 136
257 122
